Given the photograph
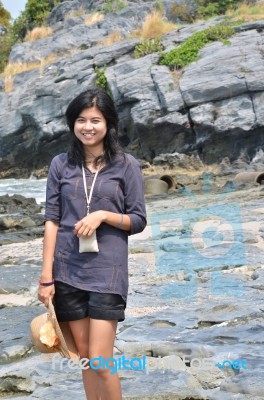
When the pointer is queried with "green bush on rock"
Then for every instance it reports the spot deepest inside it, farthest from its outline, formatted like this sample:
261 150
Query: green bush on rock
4 15
101 79
189 50
113 6
189 10
209 8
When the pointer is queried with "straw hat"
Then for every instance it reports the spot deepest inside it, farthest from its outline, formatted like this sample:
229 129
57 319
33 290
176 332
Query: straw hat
66 345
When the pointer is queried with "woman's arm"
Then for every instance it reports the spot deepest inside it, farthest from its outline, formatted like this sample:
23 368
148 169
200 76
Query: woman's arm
52 218
50 236
90 223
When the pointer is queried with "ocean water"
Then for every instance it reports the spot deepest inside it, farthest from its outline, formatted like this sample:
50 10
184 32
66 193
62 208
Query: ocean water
31 187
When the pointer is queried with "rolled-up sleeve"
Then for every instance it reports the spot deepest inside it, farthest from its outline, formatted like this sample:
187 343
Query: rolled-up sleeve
134 196
53 210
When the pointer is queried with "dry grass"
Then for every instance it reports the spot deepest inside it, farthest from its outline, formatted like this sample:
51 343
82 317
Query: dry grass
8 84
114 37
17 68
154 25
38 33
247 12
93 18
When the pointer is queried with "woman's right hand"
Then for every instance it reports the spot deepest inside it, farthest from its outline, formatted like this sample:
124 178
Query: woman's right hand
46 292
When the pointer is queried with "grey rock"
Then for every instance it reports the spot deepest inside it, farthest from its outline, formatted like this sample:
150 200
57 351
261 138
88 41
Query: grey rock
175 160
257 99
112 54
243 383
127 19
17 203
15 342
65 8
61 42
168 92
224 115
18 279
20 218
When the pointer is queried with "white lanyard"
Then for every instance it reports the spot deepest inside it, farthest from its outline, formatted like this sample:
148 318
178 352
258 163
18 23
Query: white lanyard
85 188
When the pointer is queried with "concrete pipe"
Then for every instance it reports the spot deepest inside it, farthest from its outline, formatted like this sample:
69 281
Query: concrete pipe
170 181
249 177
155 186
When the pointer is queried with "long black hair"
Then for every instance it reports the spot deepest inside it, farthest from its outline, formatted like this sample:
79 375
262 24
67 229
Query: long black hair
95 97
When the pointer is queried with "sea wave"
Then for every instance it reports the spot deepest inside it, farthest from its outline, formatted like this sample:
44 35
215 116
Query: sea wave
31 187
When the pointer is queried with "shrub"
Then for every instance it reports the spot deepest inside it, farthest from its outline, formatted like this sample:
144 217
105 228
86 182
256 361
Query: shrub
112 6
147 47
101 80
189 10
159 5
38 33
154 25
209 8
189 50
5 47
34 15
5 16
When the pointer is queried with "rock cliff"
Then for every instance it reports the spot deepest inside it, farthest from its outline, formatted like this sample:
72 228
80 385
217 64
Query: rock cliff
213 108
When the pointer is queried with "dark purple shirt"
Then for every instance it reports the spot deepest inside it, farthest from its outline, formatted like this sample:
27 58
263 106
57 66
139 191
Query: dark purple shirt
118 188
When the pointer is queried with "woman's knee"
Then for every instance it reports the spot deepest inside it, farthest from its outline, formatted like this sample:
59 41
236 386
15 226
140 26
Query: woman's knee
103 366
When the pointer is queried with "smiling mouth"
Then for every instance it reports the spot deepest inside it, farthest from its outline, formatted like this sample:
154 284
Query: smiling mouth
88 134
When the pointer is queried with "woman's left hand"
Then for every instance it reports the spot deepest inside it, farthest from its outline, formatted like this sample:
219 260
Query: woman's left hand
87 225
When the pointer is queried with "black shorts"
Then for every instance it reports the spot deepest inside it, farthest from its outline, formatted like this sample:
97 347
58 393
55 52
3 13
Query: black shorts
71 304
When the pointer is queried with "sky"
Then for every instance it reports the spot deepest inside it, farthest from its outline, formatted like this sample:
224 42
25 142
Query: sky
14 6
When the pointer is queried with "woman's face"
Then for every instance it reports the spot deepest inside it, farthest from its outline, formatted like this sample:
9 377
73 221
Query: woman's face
90 128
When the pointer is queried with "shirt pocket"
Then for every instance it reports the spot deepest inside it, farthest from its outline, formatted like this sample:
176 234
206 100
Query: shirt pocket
107 189
73 190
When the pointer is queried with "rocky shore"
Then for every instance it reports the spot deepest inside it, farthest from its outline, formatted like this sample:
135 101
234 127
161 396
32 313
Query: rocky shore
195 300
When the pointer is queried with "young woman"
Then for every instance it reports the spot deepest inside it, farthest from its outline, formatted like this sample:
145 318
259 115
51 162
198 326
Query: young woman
90 289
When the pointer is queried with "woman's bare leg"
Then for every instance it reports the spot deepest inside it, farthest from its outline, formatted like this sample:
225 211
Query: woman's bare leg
80 331
101 343
95 338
